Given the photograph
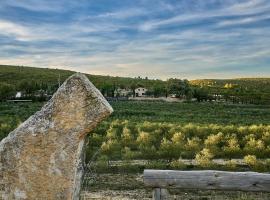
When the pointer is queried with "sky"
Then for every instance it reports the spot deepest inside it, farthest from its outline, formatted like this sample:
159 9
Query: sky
149 38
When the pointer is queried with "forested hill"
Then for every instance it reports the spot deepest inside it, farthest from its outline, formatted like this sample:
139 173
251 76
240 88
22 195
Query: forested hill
243 90
18 75
30 80
256 84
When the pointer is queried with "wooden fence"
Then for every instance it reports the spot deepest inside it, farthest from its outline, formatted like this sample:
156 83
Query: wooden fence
161 180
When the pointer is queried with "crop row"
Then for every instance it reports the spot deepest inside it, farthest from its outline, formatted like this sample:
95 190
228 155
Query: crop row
125 140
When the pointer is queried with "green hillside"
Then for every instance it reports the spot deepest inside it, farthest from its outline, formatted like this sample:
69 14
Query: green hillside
244 90
255 84
15 75
30 80
20 77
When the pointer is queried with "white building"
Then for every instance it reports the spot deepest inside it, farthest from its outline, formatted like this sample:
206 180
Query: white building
140 92
18 95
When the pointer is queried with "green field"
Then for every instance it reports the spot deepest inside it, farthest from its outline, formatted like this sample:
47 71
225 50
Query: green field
168 131
198 113
12 114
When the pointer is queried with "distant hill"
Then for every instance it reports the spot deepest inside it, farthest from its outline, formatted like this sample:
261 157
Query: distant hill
16 74
21 77
249 90
253 85
262 84
245 90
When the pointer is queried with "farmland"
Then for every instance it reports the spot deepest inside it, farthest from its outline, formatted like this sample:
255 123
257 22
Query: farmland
162 135
169 131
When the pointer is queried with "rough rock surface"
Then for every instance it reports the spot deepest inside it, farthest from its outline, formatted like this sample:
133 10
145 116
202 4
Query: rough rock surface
43 158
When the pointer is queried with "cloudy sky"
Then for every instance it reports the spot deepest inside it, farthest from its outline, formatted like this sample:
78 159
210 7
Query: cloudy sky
154 38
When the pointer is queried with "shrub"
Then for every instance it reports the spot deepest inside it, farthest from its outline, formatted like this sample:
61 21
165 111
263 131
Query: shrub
231 165
128 154
255 164
112 133
111 148
266 138
156 164
102 163
190 130
214 142
178 138
255 147
251 161
127 138
232 148
192 147
204 158
178 164
168 150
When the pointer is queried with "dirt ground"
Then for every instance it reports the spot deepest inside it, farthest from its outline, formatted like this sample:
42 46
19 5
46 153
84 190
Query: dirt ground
141 194
130 186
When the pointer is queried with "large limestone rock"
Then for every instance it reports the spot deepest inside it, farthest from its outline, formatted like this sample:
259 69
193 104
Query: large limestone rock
43 157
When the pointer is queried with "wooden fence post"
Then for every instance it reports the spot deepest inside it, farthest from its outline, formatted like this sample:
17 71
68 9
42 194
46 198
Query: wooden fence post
160 194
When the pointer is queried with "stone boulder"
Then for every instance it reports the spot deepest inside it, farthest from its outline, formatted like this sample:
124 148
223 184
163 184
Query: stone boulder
43 158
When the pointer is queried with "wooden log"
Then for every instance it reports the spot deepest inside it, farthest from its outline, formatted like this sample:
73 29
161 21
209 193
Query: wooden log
208 180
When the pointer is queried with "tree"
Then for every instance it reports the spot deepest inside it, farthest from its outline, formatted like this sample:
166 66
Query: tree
6 91
179 87
157 90
133 86
201 94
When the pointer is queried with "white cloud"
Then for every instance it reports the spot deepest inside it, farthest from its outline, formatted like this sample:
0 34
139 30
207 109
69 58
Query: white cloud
246 20
40 5
247 8
98 44
122 14
12 29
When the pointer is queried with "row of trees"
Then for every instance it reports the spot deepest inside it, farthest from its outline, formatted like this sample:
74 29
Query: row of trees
176 87
245 91
28 89
155 88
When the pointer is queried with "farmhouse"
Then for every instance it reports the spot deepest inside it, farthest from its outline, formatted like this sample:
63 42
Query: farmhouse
18 95
140 92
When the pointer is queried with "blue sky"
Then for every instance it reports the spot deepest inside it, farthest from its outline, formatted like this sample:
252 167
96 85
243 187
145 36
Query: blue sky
154 38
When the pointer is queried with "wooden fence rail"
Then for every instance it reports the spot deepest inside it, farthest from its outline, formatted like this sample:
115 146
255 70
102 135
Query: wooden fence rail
160 180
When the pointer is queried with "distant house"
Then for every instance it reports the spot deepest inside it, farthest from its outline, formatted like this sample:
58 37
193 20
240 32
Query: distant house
140 92
122 92
173 95
18 95
40 93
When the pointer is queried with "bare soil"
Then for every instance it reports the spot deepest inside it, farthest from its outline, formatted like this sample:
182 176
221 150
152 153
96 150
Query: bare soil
130 186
